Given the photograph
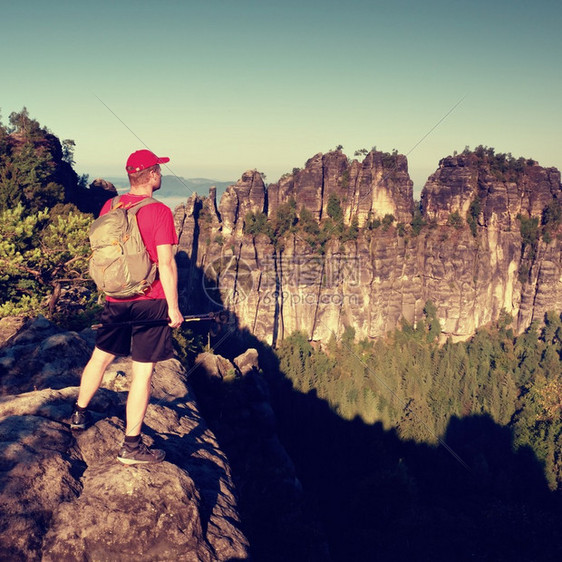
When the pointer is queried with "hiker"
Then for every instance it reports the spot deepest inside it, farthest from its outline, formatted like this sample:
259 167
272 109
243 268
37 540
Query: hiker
147 344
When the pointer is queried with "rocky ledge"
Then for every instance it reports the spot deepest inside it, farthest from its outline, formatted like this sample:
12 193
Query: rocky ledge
63 495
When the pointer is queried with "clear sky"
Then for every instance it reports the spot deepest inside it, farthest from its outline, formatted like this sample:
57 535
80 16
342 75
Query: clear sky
222 86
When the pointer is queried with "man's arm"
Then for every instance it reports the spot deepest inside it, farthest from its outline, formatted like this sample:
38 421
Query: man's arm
169 279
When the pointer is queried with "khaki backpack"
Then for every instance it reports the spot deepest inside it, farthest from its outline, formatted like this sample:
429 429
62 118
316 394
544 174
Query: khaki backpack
120 264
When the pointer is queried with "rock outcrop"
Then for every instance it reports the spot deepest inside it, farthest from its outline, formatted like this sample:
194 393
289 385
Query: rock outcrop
63 495
98 193
503 192
470 252
378 186
248 195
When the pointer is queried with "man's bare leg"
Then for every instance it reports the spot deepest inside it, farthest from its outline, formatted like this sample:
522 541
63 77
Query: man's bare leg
134 450
93 375
139 395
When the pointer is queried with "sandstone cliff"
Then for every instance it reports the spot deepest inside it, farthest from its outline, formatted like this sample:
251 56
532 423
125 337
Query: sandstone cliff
377 186
467 253
63 495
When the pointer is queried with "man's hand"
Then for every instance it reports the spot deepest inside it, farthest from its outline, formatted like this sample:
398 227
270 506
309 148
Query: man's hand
176 318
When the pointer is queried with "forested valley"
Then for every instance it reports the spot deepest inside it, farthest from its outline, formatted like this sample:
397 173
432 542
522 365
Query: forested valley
415 386
412 450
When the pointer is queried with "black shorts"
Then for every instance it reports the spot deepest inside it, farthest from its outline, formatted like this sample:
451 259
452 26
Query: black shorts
145 343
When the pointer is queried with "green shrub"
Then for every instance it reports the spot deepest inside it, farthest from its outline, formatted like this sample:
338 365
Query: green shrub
387 221
472 216
455 220
38 255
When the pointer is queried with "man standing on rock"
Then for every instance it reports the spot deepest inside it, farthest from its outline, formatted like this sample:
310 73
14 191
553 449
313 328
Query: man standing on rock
146 343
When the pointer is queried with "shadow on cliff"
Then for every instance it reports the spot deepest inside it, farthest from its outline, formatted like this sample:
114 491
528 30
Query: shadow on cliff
381 498
366 493
369 495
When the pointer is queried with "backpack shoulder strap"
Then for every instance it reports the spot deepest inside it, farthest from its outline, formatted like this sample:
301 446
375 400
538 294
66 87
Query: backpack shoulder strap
133 209
115 202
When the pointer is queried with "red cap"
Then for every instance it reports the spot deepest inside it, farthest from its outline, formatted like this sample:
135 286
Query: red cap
142 159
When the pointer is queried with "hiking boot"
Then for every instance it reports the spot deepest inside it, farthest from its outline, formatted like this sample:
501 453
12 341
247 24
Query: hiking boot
80 420
140 455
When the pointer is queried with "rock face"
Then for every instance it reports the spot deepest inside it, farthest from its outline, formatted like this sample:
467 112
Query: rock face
98 193
63 494
503 192
480 246
378 186
248 195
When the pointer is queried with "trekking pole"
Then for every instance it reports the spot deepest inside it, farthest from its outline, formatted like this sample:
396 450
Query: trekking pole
220 317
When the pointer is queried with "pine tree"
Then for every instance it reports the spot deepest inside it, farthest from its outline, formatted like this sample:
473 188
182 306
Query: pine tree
37 256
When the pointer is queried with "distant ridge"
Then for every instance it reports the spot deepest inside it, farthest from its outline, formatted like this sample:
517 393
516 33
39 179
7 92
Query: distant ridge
176 190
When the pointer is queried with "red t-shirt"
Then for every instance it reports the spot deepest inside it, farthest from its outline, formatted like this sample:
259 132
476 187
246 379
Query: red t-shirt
156 225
